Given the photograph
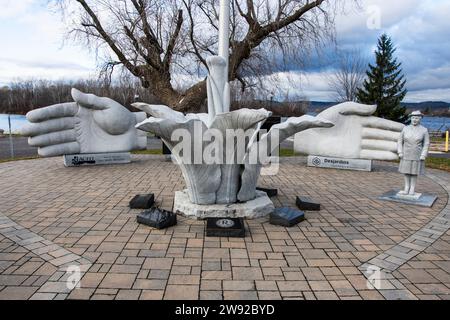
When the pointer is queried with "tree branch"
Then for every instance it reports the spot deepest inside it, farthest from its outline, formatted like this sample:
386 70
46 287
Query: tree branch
191 34
98 26
172 41
149 34
138 48
256 35
280 24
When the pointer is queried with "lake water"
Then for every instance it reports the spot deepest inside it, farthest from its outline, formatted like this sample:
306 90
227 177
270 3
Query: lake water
436 123
18 121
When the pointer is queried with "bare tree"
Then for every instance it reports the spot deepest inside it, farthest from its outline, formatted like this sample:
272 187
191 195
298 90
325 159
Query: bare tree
23 96
157 40
349 75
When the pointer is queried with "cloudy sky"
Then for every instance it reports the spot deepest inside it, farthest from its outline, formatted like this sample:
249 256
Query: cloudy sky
32 46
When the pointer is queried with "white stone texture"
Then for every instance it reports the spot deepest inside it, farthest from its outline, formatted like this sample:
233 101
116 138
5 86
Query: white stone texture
413 144
356 134
223 182
91 124
412 197
260 207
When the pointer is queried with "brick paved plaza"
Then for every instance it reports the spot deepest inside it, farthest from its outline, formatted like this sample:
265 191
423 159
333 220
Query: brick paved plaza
53 217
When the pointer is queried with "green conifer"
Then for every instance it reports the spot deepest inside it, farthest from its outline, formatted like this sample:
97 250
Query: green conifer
385 83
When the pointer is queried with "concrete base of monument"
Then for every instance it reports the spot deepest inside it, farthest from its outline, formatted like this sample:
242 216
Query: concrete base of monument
96 159
418 199
339 163
262 206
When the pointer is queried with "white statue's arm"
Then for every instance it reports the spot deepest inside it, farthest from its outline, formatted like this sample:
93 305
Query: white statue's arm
400 145
280 132
426 146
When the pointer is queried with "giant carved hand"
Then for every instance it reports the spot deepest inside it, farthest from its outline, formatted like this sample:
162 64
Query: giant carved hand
356 134
91 124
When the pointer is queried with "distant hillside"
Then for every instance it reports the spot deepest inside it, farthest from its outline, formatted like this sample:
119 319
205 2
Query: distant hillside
428 107
318 106
298 108
282 109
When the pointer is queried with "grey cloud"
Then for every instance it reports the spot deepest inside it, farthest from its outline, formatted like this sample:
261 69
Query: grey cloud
437 78
65 65
419 30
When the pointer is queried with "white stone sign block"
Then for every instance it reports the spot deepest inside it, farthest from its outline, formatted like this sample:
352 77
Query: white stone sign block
95 159
339 163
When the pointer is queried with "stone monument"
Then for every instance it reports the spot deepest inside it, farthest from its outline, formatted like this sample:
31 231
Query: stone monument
356 139
225 186
413 144
90 130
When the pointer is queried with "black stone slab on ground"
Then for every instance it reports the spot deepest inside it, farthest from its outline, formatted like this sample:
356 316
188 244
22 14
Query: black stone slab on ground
286 217
225 227
270 192
305 203
157 218
142 201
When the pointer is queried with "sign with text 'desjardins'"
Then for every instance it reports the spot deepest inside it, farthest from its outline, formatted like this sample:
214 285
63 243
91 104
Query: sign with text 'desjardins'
339 163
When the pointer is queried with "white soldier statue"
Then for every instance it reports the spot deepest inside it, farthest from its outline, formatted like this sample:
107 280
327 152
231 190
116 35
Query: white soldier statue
413 146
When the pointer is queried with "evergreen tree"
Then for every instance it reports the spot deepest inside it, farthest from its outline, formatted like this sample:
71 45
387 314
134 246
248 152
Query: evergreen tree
385 84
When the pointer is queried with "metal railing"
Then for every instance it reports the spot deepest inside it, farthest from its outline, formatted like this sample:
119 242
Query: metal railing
439 141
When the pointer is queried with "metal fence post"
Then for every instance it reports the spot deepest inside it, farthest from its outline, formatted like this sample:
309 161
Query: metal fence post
11 144
446 140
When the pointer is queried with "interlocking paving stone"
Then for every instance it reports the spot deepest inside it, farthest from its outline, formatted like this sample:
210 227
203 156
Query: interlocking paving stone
84 219
419 241
181 292
58 257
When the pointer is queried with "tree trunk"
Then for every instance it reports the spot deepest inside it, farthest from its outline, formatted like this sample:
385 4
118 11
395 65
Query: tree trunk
193 99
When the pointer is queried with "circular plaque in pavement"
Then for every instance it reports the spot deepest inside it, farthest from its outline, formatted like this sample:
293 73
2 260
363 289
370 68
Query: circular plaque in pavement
225 223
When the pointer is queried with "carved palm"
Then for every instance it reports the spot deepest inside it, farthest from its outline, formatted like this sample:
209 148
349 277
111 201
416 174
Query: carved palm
91 124
357 134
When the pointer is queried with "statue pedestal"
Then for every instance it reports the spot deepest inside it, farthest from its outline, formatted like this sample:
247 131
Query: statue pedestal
409 197
339 163
95 159
258 208
418 199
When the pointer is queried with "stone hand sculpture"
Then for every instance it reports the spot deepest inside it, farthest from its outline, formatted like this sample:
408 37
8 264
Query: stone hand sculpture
91 124
228 179
219 182
280 132
356 134
413 145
